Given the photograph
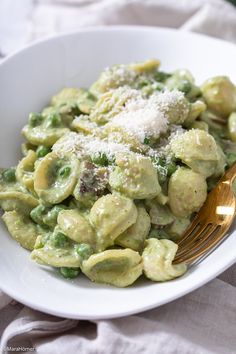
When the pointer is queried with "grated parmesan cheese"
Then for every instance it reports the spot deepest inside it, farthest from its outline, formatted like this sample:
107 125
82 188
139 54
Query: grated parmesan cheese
118 75
163 149
168 99
175 132
150 117
109 148
140 117
174 105
124 94
84 146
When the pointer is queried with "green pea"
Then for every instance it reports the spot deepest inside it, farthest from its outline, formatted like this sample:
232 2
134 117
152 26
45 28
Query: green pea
59 240
162 170
35 119
161 76
171 168
158 86
165 169
38 213
185 86
54 120
51 218
69 273
9 175
84 251
42 151
158 161
147 140
100 159
143 83
64 171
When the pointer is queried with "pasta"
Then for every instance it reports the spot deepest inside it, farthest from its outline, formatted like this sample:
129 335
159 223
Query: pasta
112 175
160 268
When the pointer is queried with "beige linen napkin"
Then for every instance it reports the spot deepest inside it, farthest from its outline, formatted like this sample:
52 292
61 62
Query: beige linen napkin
203 322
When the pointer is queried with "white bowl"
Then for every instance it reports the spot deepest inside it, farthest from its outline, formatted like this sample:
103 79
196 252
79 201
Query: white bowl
27 81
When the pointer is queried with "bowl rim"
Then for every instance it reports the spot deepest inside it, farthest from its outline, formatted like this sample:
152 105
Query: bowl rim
116 28
64 314
120 28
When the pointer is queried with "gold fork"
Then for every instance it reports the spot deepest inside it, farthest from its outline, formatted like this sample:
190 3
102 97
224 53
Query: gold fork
210 225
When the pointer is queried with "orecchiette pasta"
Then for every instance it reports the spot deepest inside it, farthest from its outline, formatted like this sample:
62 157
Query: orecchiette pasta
55 178
135 177
116 267
25 170
14 200
57 257
232 126
112 175
134 236
220 95
186 185
157 260
107 222
44 130
21 228
198 150
76 227
160 214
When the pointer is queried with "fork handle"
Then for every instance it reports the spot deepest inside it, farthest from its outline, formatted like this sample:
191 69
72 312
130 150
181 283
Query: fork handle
230 174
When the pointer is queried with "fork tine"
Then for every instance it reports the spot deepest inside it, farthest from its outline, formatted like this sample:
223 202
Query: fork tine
219 234
201 239
211 250
210 225
189 231
190 238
